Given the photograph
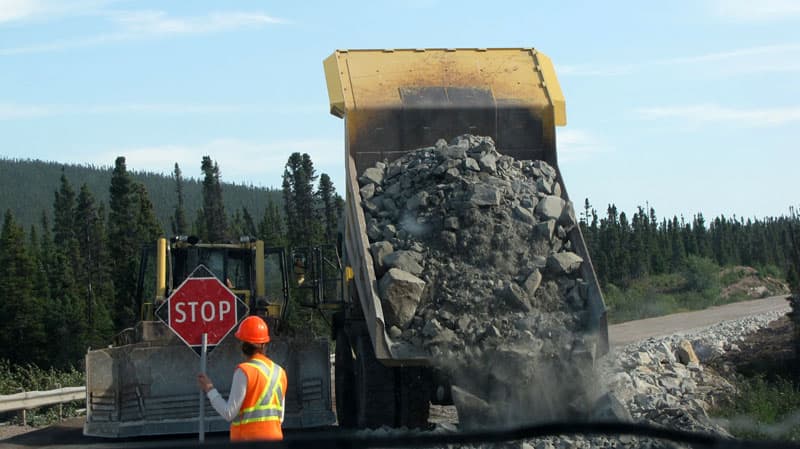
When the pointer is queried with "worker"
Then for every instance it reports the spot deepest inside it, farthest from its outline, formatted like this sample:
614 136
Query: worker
256 404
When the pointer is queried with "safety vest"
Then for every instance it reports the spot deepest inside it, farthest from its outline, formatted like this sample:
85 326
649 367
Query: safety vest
259 416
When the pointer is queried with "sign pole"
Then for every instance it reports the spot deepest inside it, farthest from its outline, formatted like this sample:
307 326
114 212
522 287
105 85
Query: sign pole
203 355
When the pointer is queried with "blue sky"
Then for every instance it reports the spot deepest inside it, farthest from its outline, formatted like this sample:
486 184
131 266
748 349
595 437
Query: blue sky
688 105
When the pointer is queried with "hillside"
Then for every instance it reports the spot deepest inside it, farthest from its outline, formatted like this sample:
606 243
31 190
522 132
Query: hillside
27 188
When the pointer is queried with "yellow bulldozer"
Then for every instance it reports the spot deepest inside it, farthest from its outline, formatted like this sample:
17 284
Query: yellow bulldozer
392 102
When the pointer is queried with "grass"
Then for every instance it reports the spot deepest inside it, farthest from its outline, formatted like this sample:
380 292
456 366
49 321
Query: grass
696 287
19 378
764 409
656 296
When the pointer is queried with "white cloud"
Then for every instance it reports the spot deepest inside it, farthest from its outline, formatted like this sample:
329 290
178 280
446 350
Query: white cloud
146 24
149 23
712 113
241 161
12 111
33 10
12 10
756 10
576 144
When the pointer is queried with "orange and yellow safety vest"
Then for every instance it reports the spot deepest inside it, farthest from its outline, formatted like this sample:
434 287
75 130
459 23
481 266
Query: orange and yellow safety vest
261 412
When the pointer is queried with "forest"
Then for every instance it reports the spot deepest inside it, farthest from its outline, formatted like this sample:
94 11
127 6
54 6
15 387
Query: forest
67 281
68 275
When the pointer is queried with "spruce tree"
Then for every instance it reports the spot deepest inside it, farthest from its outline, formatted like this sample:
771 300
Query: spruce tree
213 207
271 227
179 224
292 175
92 273
23 337
124 246
147 227
248 225
330 213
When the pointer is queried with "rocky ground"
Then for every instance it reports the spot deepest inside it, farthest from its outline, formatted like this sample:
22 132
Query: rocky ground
676 381
673 381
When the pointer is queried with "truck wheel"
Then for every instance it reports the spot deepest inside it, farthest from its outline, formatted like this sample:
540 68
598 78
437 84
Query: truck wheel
346 411
375 387
413 400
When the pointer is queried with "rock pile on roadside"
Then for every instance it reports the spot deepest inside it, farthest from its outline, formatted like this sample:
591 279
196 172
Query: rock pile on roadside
474 265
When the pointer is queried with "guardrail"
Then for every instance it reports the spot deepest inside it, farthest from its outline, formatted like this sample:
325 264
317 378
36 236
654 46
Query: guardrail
32 399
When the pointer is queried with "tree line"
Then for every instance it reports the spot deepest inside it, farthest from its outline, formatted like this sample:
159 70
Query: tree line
68 284
624 248
27 183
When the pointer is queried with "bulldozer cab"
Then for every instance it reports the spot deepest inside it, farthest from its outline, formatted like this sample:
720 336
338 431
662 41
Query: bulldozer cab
256 274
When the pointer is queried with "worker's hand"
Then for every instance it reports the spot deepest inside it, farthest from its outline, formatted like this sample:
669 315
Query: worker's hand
205 383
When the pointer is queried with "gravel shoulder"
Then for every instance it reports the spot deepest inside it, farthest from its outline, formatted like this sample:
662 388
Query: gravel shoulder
691 322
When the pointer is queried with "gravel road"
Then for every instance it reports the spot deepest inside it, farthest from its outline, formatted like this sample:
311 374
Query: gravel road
690 322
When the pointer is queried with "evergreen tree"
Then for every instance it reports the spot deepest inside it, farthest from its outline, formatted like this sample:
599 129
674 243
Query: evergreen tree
63 212
701 235
677 250
41 284
248 225
179 225
70 324
302 221
330 212
147 226
23 338
92 273
291 173
199 225
213 207
271 229
123 244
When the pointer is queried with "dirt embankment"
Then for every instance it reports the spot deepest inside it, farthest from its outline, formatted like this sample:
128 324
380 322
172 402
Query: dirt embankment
750 283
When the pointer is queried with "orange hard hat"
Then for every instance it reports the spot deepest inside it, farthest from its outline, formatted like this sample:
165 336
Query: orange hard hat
253 330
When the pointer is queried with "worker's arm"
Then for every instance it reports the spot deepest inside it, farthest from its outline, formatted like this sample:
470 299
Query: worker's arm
230 408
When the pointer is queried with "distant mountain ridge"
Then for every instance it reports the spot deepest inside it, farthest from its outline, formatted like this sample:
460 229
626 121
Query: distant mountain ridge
27 188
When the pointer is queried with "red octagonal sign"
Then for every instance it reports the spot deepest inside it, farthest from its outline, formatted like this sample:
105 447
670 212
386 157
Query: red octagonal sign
202 304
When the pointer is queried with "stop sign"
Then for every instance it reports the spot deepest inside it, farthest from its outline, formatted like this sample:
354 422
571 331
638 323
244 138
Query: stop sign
202 304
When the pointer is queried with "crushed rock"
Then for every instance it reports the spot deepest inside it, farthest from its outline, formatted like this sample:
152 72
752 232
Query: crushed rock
503 305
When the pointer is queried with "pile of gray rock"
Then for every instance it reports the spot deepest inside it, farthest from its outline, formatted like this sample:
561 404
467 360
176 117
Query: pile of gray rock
474 266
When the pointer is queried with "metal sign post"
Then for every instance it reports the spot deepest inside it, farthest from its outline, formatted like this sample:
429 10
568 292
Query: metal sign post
203 354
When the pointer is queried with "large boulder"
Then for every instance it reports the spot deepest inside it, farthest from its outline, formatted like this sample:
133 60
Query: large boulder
564 263
532 283
379 250
371 175
400 293
408 261
685 353
551 207
484 195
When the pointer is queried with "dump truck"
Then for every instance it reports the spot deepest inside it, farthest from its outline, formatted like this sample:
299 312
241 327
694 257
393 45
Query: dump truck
395 101
145 383
392 102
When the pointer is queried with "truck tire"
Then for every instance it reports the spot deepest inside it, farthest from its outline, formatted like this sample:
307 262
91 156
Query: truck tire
413 389
375 387
346 407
